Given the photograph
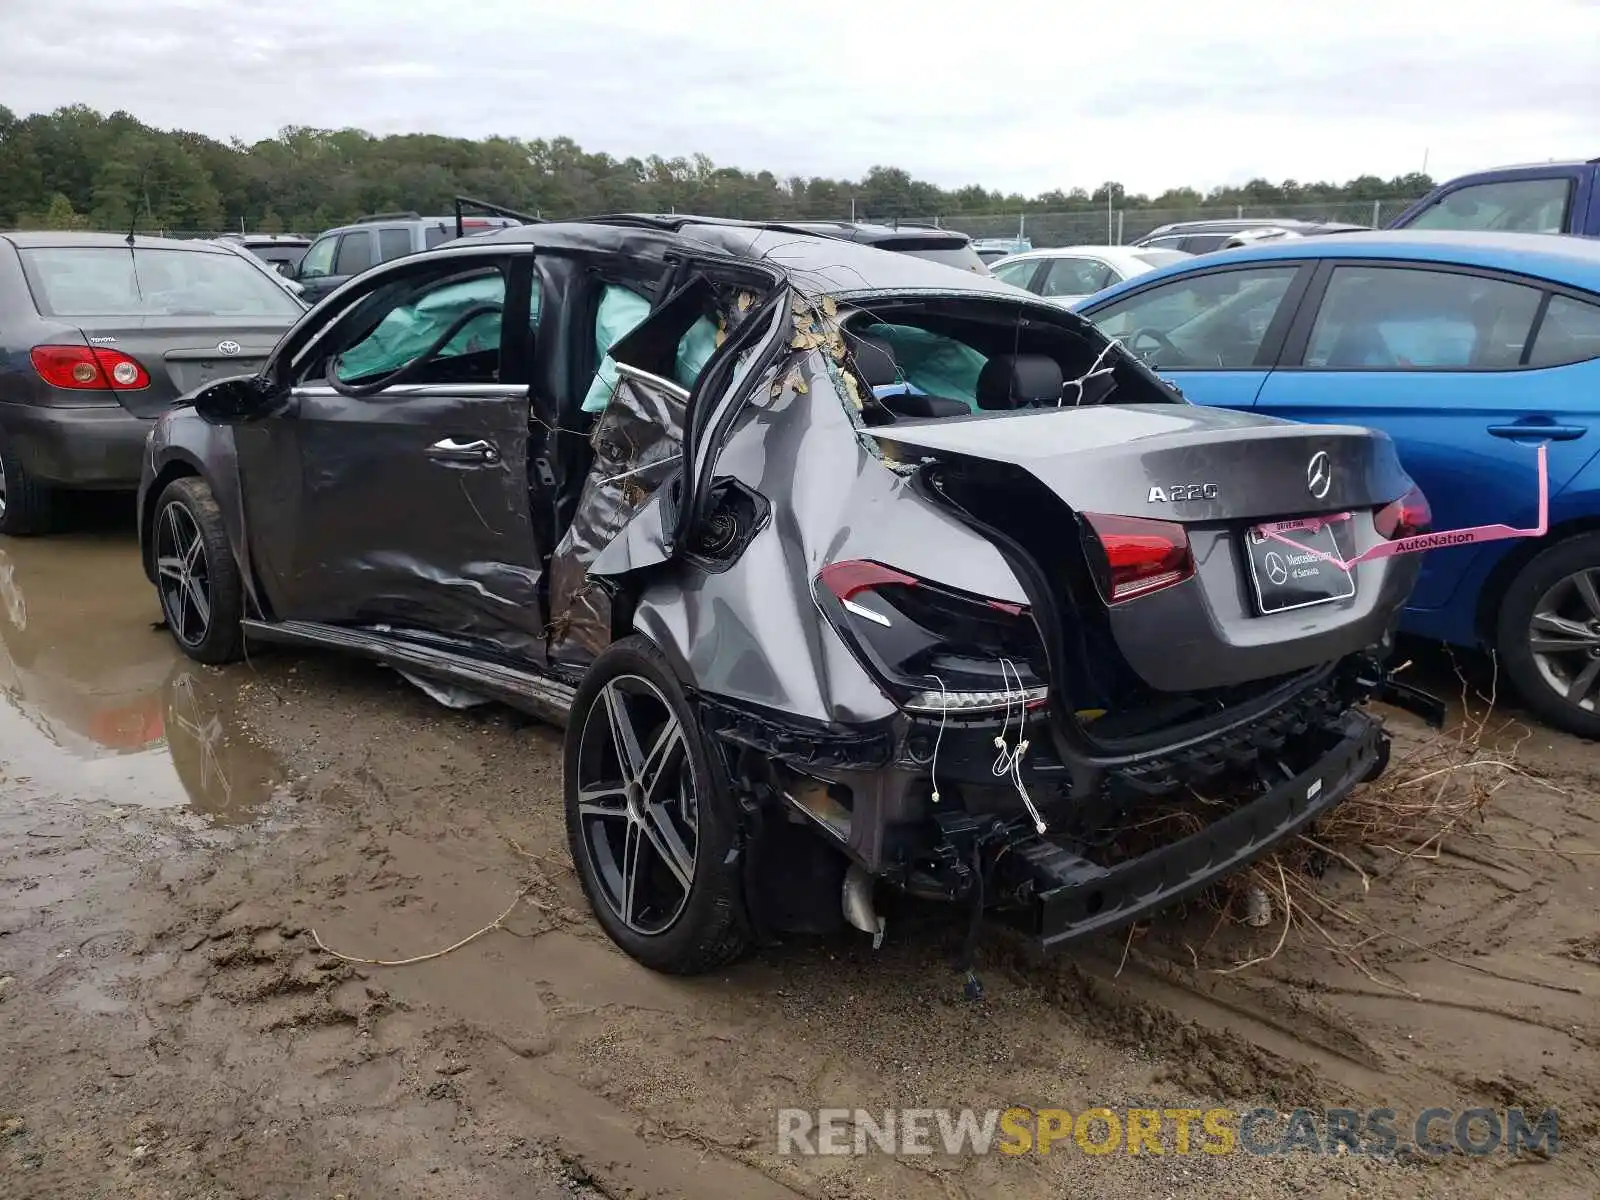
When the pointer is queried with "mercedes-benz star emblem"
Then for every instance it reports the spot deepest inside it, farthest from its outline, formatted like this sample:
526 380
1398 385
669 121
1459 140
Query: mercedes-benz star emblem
1277 569
1319 474
228 347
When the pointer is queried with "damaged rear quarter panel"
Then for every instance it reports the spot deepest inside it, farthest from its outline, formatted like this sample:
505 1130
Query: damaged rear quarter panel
753 633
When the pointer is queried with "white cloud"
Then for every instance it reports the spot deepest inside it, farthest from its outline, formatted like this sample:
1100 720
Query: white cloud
1026 96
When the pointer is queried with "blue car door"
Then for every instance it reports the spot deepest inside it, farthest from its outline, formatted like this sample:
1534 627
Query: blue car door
1215 332
1437 357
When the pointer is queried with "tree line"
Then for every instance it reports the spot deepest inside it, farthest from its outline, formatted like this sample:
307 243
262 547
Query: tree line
78 168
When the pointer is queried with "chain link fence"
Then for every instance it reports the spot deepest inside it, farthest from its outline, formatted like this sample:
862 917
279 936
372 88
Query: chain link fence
1118 226
1113 226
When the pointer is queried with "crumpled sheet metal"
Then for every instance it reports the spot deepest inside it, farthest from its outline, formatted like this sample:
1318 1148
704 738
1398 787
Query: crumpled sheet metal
637 443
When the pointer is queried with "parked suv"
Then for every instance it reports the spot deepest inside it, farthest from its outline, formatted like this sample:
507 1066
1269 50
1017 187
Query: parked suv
348 250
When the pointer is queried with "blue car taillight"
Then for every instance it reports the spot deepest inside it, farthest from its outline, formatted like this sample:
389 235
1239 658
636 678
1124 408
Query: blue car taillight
931 648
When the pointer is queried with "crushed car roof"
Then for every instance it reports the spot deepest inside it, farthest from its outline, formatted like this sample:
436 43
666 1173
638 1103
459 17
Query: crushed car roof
815 263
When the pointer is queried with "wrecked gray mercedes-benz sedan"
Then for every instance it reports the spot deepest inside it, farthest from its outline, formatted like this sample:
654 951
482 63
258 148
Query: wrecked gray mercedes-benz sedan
845 571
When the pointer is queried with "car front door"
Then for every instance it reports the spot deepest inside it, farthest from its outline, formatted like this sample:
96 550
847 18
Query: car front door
1439 359
353 253
1214 333
315 266
404 502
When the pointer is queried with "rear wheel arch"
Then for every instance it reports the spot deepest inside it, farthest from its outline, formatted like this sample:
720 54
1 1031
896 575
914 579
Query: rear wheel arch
1501 576
177 468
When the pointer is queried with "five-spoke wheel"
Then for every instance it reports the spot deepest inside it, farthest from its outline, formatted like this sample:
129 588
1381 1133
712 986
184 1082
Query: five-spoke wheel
652 828
196 576
637 804
182 574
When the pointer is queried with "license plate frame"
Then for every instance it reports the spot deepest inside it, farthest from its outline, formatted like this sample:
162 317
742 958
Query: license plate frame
1285 579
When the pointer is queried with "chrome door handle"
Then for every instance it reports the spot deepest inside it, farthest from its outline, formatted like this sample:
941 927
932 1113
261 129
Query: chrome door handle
450 450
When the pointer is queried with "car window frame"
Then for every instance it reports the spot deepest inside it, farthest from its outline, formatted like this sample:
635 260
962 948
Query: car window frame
1298 339
306 338
330 238
350 235
1089 259
404 232
1566 178
1527 363
1273 342
1035 277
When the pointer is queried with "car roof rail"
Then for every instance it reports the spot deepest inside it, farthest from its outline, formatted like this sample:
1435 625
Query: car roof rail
388 216
489 210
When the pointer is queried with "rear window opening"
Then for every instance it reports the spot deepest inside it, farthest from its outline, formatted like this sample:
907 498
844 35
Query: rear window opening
115 281
957 358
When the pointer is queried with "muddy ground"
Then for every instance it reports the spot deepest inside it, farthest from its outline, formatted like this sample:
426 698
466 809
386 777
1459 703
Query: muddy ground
170 836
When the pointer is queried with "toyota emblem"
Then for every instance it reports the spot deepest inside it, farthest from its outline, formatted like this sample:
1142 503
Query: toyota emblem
1319 474
1277 569
232 347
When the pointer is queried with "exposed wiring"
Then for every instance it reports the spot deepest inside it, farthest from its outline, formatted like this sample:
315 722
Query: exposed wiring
938 739
1095 371
1008 763
639 470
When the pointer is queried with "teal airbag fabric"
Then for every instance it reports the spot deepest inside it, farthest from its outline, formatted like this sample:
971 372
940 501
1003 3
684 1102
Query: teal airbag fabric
932 364
409 329
621 310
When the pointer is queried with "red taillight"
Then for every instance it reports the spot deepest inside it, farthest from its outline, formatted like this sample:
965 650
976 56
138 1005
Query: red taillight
931 648
1139 555
81 368
845 579
1406 517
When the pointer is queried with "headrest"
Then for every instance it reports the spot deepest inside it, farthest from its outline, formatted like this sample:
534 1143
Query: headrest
1015 380
875 362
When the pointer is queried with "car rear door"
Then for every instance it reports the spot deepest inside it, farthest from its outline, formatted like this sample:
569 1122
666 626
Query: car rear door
407 505
324 269
1215 333
1438 357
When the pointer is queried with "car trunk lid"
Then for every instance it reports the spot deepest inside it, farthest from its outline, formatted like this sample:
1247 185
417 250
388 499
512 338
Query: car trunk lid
1174 462
182 353
1039 479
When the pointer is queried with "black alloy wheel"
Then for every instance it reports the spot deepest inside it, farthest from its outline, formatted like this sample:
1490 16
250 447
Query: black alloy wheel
649 819
196 576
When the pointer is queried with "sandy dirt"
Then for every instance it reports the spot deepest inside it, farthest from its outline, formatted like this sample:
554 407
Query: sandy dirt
170 837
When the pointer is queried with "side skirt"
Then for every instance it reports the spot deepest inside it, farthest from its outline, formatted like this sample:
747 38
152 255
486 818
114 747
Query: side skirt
533 693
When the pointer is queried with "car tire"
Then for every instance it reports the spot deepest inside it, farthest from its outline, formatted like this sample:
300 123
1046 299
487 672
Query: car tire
636 835
27 507
1560 589
202 596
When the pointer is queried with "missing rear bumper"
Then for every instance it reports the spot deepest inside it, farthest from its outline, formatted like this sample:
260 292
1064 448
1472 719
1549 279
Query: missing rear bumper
1073 897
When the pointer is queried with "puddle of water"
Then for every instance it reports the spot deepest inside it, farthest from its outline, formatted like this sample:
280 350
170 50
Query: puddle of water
100 705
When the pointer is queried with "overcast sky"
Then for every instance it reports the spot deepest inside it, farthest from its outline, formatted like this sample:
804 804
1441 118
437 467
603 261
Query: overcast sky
1024 96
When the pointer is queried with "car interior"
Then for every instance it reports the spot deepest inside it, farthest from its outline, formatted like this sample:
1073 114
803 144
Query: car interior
939 360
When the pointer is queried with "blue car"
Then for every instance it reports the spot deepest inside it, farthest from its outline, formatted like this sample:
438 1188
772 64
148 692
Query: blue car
1468 349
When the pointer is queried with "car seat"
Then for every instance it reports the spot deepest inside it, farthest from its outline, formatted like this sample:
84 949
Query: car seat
1019 380
875 362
